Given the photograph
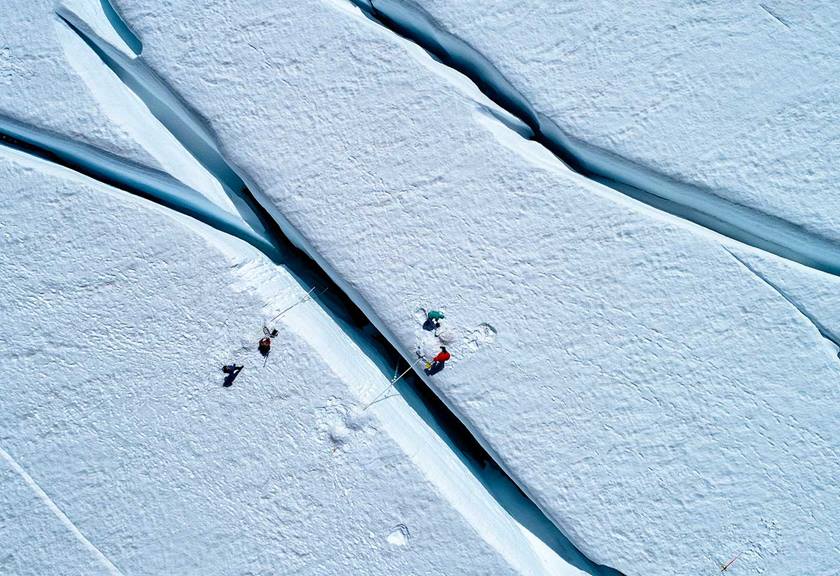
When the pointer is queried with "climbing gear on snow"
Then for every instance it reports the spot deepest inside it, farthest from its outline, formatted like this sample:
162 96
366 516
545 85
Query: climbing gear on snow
391 384
726 566
307 296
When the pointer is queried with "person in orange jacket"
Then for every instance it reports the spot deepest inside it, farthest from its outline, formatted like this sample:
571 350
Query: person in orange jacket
438 362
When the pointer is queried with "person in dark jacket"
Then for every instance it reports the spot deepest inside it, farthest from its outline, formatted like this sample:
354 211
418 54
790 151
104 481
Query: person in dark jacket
433 319
232 371
438 362
264 346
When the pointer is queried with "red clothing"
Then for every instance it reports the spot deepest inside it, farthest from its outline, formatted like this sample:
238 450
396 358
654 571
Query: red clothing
442 357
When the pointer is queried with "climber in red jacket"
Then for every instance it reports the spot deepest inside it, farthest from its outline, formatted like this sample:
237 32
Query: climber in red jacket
438 362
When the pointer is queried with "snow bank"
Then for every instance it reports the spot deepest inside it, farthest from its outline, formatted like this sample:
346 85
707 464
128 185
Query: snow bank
39 87
663 405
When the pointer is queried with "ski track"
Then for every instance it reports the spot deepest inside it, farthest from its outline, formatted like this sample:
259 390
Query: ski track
104 560
685 201
261 226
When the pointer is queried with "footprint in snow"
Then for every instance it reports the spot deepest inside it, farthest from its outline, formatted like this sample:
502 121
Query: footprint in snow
420 315
479 336
348 423
399 536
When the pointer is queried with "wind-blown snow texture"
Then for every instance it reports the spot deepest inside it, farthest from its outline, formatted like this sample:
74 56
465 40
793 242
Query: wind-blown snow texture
738 97
38 86
134 460
666 401
199 511
663 405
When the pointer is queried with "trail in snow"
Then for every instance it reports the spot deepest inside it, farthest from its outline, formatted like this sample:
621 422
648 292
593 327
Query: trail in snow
59 514
686 201
269 232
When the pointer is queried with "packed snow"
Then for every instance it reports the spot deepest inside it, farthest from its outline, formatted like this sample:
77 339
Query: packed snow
662 394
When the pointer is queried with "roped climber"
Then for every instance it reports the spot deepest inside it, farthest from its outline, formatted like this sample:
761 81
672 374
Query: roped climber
264 346
438 362
433 319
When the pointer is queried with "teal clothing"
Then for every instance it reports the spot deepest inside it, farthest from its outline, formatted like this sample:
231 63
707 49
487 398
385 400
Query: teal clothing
435 315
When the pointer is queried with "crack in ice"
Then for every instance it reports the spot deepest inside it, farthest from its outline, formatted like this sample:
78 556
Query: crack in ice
118 24
261 225
130 177
821 328
688 202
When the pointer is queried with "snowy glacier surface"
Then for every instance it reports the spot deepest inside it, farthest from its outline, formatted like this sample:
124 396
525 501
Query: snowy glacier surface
121 452
663 393
737 97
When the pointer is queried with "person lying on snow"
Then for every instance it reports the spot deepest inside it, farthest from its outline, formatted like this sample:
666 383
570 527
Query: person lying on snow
438 362
232 371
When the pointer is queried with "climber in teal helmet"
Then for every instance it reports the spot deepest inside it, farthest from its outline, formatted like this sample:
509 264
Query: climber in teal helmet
433 319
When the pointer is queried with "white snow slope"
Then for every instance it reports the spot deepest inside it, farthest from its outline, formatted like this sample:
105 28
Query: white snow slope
38 86
120 451
737 97
664 406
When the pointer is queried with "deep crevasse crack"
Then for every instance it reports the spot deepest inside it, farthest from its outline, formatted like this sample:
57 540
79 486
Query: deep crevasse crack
261 226
686 201
118 24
